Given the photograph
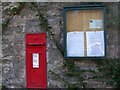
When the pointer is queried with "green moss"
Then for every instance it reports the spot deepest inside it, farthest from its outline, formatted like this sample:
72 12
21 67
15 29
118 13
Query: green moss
31 5
68 84
11 12
14 9
43 20
111 68
112 15
73 71
4 88
4 25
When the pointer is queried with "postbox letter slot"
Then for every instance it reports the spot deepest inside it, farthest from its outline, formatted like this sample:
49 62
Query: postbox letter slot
37 44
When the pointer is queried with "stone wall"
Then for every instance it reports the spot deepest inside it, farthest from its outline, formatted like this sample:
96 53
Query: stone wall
0 45
28 21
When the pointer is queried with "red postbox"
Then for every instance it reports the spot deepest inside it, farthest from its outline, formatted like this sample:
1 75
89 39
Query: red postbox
36 60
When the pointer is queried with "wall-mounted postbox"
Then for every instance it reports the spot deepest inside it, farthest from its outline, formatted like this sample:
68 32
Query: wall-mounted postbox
36 60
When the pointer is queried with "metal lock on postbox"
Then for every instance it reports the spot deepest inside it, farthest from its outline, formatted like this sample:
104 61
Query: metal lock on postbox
36 60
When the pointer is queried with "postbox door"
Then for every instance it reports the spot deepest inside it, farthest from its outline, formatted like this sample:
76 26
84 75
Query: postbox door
36 65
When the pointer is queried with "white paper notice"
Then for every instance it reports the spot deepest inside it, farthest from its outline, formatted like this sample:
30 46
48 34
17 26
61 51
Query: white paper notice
75 44
95 23
95 43
35 60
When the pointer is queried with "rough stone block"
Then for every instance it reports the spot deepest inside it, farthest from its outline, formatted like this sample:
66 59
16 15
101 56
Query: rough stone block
32 26
16 21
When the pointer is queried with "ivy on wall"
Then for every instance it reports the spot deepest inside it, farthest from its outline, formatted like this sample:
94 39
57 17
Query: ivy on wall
111 69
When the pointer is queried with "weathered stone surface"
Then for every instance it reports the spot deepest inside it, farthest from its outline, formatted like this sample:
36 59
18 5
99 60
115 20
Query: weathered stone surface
53 21
10 49
96 84
32 26
86 65
0 48
28 13
12 30
0 74
54 63
16 21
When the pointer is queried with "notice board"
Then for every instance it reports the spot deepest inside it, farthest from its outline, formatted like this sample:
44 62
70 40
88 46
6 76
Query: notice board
84 31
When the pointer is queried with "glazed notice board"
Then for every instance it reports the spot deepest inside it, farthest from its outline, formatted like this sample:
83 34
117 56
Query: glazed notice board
84 32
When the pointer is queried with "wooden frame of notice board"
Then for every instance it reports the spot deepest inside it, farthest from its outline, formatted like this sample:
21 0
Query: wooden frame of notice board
85 32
